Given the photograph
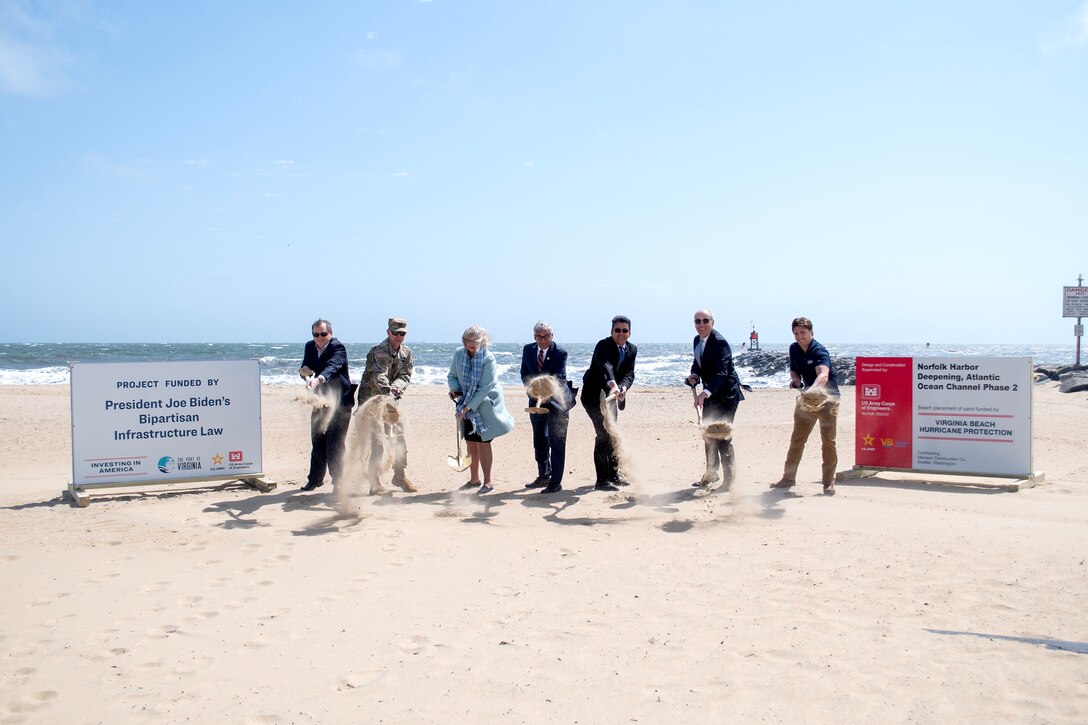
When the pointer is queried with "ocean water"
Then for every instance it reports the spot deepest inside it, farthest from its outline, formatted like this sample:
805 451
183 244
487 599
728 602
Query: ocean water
658 364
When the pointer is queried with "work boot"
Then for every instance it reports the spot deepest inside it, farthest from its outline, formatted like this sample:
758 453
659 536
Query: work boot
784 483
401 481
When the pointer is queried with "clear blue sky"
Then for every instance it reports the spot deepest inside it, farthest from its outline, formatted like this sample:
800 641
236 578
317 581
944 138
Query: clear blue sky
190 171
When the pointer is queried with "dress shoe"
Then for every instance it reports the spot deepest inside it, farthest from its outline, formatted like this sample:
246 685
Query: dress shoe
402 482
619 480
707 479
605 486
540 482
552 488
312 486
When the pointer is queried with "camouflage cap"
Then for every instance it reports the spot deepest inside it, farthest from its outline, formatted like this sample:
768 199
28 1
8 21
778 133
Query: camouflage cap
398 324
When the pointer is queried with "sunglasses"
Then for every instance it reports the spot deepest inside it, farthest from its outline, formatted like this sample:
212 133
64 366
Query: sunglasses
399 334
321 334
624 330
704 321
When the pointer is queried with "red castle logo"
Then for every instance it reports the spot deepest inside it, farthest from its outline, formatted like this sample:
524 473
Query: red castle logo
235 456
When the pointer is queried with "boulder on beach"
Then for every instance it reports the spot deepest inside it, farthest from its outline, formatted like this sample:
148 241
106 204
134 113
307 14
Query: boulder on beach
1075 381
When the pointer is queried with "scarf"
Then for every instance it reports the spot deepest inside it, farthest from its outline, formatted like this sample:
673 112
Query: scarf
471 370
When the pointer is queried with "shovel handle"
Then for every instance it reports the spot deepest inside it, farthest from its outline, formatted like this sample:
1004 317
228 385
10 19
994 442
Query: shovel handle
698 410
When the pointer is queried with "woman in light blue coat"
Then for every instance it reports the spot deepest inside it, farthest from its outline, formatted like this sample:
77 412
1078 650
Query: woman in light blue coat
474 386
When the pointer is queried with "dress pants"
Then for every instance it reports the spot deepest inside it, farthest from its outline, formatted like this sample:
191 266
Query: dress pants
719 452
550 443
803 422
604 453
327 452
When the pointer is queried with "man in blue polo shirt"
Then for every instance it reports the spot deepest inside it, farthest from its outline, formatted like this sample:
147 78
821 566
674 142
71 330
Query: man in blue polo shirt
811 370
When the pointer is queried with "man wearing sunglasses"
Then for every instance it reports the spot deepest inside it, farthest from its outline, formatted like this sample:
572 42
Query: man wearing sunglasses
388 372
544 357
611 370
325 370
721 394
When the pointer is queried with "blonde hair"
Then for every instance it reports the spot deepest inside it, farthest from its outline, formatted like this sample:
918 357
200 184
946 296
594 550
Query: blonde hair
475 332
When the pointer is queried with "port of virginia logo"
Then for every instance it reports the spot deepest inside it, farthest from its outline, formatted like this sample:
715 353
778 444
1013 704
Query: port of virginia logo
182 463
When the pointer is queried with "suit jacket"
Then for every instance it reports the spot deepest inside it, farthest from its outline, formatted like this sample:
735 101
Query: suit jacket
331 364
605 366
555 363
719 377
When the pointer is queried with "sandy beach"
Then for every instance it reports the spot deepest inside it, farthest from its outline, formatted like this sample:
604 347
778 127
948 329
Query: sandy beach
894 601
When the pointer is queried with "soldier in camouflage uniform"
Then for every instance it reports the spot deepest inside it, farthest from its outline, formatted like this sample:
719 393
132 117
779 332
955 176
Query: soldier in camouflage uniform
388 372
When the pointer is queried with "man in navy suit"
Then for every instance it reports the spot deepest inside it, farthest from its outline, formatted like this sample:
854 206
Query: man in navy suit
611 370
721 394
544 357
325 370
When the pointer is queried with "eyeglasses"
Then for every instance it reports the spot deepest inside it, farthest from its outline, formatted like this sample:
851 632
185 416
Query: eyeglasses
624 330
704 321
322 334
542 337
399 334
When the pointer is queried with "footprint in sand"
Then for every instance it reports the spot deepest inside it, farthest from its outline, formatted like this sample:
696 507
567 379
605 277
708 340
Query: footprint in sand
33 702
415 644
361 680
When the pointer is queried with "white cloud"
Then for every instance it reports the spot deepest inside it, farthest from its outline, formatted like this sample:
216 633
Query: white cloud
377 59
196 162
372 35
99 164
285 163
1072 34
530 163
402 173
30 70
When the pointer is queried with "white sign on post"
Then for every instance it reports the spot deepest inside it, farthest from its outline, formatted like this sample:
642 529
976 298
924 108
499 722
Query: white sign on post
164 422
1075 302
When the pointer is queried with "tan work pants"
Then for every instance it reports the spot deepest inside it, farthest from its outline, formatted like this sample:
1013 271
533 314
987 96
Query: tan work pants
803 422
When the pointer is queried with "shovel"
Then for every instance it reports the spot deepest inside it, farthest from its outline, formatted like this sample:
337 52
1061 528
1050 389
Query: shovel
461 461
698 410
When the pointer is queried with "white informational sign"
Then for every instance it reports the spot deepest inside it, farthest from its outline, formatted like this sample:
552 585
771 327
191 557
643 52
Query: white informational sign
162 422
972 415
1075 302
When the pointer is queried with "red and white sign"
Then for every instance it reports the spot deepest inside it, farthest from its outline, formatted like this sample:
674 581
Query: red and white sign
948 415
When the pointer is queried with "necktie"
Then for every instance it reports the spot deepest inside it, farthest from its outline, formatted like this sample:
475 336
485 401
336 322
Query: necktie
540 360
623 354
699 352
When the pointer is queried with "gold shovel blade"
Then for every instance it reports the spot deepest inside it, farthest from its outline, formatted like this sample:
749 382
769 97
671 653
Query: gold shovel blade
459 463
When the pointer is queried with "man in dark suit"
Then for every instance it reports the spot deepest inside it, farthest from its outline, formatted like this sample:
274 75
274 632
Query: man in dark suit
612 370
721 394
325 370
544 357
